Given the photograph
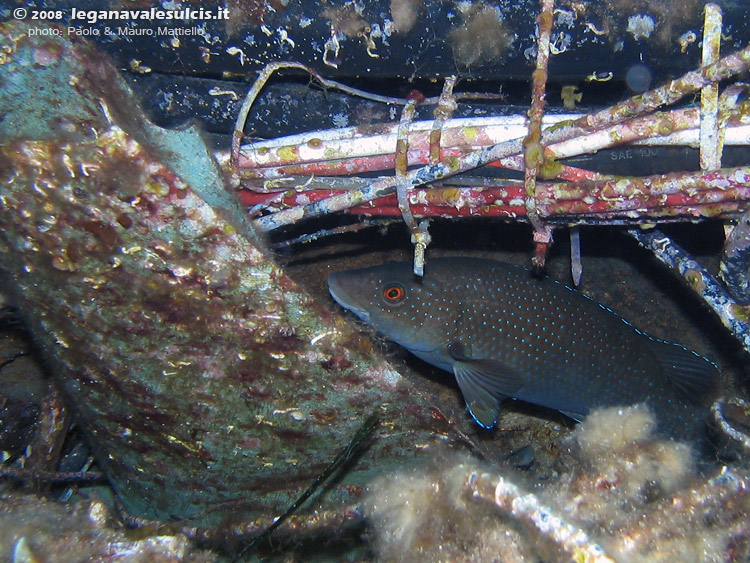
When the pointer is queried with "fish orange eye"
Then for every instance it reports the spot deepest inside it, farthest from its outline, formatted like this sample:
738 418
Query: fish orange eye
394 293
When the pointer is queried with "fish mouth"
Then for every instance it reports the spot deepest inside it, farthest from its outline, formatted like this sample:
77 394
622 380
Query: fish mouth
344 298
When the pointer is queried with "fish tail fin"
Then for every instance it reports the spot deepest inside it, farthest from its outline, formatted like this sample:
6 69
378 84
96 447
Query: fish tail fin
690 373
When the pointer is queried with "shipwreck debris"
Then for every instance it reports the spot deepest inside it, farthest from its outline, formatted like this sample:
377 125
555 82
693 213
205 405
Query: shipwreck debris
202 373
198 370
552 194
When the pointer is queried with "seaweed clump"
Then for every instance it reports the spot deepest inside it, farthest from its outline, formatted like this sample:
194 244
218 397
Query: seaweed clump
630 496
482 38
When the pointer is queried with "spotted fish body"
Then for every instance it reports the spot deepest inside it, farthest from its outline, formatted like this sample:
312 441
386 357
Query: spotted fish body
505 333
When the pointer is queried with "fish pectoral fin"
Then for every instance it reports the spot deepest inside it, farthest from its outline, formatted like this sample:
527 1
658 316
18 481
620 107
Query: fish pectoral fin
689 372
484 384
483 406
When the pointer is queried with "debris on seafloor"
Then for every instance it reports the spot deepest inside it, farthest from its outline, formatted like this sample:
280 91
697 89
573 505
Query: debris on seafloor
21 390
629 497
33 529
199 372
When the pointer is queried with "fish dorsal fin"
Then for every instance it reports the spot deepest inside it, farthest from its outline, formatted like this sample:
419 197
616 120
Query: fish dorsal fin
484 383
690 373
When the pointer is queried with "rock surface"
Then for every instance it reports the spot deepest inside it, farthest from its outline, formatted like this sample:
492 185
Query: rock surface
199 371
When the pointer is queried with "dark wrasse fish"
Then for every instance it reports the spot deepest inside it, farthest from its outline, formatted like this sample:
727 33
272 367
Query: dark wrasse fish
507 334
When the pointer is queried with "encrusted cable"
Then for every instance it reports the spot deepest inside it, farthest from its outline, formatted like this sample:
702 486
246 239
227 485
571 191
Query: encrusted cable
733 315
420 237
527 508
717 410
710 141
534 151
